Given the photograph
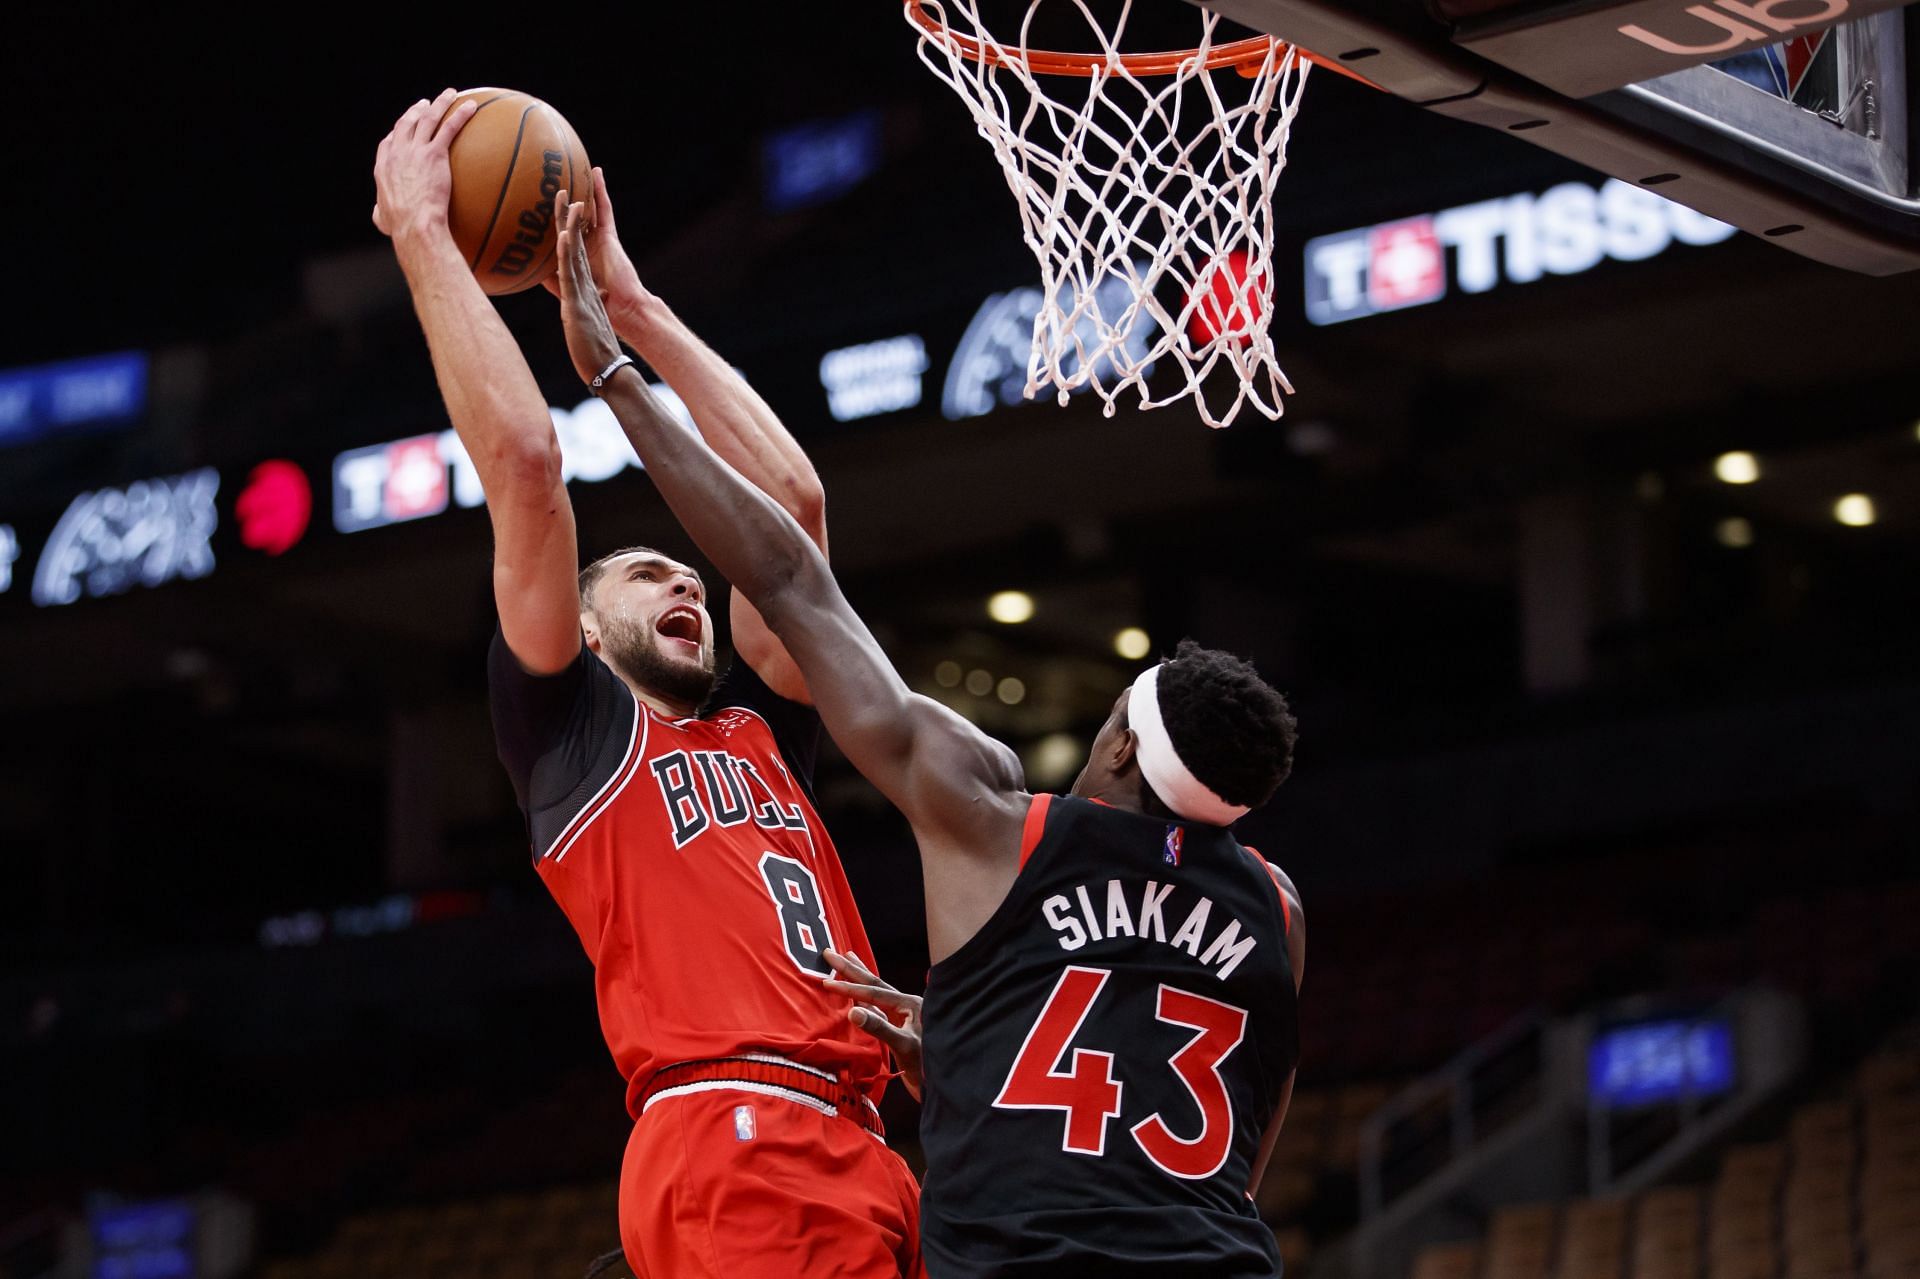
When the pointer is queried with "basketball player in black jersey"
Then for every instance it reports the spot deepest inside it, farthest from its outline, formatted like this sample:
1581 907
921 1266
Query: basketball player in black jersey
1110 1030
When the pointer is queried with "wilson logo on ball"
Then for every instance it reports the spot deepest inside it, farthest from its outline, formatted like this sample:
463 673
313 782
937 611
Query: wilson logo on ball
512 157
533 221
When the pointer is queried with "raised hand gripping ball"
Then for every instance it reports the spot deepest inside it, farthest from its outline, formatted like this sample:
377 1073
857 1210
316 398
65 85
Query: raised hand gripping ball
513 156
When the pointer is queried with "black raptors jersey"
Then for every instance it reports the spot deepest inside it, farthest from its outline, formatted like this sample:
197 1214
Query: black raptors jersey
1104 1055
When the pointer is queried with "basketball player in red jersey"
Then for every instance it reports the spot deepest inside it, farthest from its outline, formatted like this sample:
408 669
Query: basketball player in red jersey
670 814
1109 955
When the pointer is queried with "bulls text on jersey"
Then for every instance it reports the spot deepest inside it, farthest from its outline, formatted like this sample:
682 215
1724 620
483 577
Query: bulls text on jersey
714 788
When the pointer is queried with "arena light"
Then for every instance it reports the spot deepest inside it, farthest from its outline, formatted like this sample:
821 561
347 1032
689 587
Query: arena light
1053 759
979 682
1010 607
1132 643
9 552
1011 691
1855 510
948 674
1734 532
1736 468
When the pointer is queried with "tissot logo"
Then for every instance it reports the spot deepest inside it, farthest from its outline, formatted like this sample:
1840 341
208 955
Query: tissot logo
1726 25
414 478
1567 230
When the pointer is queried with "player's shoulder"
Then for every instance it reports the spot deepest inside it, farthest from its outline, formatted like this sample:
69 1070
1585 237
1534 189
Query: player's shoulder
1281 880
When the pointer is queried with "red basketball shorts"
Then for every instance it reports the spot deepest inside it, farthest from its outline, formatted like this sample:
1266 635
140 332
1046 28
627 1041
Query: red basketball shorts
729 1184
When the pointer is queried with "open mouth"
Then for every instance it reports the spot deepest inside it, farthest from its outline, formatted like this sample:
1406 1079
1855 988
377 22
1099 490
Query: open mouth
681 625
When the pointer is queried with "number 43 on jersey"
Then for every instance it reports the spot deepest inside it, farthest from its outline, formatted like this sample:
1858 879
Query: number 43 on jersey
1090 1095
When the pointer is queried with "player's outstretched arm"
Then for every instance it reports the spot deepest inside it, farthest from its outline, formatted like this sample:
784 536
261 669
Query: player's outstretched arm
491 396
742 428
962 791
1297 962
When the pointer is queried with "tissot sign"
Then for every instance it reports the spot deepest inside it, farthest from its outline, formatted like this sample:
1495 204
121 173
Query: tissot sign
1515 239
1580 48
422 475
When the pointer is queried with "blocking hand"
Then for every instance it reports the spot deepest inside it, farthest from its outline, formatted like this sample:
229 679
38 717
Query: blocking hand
620 286
590 337
904 1038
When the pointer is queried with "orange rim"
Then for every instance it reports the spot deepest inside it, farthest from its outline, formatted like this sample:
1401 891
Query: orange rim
1244 56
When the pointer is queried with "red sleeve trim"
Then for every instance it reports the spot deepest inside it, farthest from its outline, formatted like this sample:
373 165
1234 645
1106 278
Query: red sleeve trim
1035 827
1286 907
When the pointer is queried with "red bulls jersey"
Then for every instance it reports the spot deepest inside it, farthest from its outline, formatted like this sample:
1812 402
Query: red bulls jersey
689 858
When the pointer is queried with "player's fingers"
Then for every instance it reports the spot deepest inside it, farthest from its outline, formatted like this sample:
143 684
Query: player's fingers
875 1024
878 994
569 240
602 206
847 966
574 224
573 258
409 126
378 222
454 121
562 280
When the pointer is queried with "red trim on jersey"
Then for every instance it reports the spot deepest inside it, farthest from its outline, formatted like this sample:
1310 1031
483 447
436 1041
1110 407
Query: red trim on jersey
636 752
1286 907
1034 828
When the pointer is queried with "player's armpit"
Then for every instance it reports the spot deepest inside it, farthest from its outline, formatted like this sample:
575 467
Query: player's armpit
961 781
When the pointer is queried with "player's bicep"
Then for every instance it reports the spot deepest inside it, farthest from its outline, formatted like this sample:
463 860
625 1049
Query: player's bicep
535 574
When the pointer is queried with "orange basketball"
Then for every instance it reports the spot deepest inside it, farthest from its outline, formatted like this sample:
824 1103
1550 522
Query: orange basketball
512 157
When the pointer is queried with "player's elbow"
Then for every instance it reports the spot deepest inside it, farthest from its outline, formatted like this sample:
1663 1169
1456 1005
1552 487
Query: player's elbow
787 585
526 466
807 503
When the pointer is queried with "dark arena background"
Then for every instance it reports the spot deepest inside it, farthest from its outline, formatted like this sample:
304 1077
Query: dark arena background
1593 588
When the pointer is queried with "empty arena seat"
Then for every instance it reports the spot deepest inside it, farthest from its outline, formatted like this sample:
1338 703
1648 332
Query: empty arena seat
1756 1163
1889 1072
1753 1259
1448 1261
1295 1245
1520 1241
1740 1227
1667 1234
1821 1257
1283 1193
1593 1240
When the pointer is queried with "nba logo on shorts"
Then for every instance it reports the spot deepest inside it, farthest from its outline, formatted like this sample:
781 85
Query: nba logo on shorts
1175 838
743 1129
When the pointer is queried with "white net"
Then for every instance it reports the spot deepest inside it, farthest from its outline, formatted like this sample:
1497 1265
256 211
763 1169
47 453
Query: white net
1160 183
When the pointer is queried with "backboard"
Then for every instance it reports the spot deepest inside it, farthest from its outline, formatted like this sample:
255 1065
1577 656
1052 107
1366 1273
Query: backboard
1791 119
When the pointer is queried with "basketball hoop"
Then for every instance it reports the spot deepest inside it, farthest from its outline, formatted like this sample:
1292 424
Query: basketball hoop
1148 186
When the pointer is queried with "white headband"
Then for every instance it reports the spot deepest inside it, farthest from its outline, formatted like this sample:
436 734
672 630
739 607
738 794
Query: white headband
1160 764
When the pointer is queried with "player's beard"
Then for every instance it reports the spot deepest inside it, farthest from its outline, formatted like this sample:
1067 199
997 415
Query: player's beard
636 651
